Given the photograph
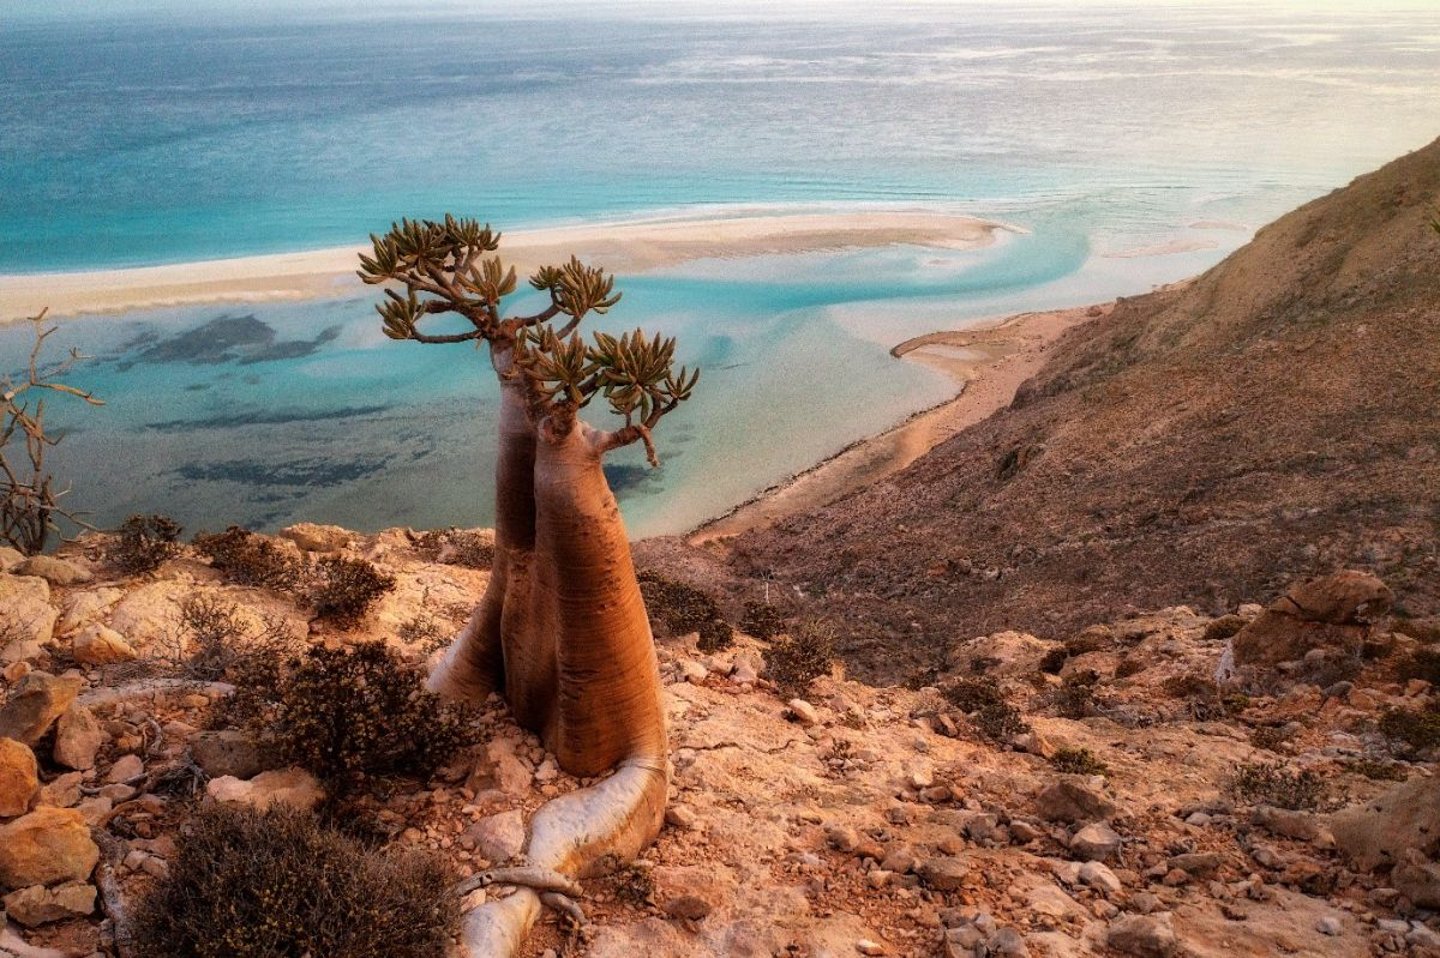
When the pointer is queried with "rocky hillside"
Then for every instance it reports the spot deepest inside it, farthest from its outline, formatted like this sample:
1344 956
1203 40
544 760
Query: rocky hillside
1101 796
1278 417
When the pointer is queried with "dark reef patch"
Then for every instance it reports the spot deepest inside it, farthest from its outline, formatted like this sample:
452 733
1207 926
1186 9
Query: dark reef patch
236 420
239 339
313 473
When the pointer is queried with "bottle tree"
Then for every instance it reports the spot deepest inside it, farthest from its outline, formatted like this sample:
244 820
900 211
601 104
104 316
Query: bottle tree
561 631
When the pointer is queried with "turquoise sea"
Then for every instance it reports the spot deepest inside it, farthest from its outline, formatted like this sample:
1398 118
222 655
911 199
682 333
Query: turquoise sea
1134 143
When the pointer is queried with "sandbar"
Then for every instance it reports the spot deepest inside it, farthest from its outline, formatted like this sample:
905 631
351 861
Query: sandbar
632 246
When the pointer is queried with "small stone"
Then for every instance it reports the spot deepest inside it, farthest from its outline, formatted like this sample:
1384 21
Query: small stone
19 777
1006 943
1074 801
1144 936
842 838
802 712
229 752
34 704
745 673
38 905
1199 864
944 874
294 787
1024 832
1033 743
126 769
682 817
867 947
1096 842
498 838
920 778
78 738
1198 819
62 792
98 645
688 908
1330 925
48 845
1100 877
693 672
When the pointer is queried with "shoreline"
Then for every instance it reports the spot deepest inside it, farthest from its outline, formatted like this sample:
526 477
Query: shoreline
988 361
632 246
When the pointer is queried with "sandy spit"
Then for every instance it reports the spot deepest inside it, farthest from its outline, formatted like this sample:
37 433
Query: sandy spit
627 247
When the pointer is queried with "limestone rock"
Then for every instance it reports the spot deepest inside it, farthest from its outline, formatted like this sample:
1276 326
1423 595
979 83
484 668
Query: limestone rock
126 769
944 874
82 608
78 737
317 538
1332 612
150 613
1072 800
498 838
55 571
38 905
1419 881
63 791
47 846
19 777
35 703
10 558
98 645
1096 842
1144 936
803 712
229 752
1010 653
1379 831
26 617
294 787
1099 877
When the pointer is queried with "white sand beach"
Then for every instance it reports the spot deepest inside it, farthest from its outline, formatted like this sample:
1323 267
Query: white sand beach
626 247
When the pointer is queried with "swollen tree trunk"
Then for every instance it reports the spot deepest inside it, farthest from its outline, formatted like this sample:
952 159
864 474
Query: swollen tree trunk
577 665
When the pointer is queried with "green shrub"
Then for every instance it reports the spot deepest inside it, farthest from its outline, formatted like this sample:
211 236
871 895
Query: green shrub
1077 761
360 711
344 589
716 635
1274 784
682 608
248 884
143 544
801 657
763 620
1411 731
1420 664
245 558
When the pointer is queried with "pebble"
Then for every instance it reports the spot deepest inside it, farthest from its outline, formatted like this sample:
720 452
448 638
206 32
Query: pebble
867 947
1329 925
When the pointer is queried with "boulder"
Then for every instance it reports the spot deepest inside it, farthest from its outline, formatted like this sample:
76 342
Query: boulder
78 737
1101 878
944 874
1096 842
126 769
38 905
1008 653
1418 880
82 608
10 558
1331 613
27 620
498 838
54 571
98 645
230 752
45 847
19 777
150 613
1144 936
1074 801
294 787
317 538
35 702
1379 831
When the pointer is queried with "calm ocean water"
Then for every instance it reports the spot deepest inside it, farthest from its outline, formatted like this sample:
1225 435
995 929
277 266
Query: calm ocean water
1136 143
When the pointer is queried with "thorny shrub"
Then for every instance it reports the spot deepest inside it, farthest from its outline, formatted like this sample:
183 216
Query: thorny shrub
462 547
1271 737
143 544
715 635
1421 664
1271 783
248 884
1077 761
1075 698
1054 660
248 559
801 657
763 620
1379 771
1127 667
633 883
360 711
214 642
1411 731
682 608
344 589
982 700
